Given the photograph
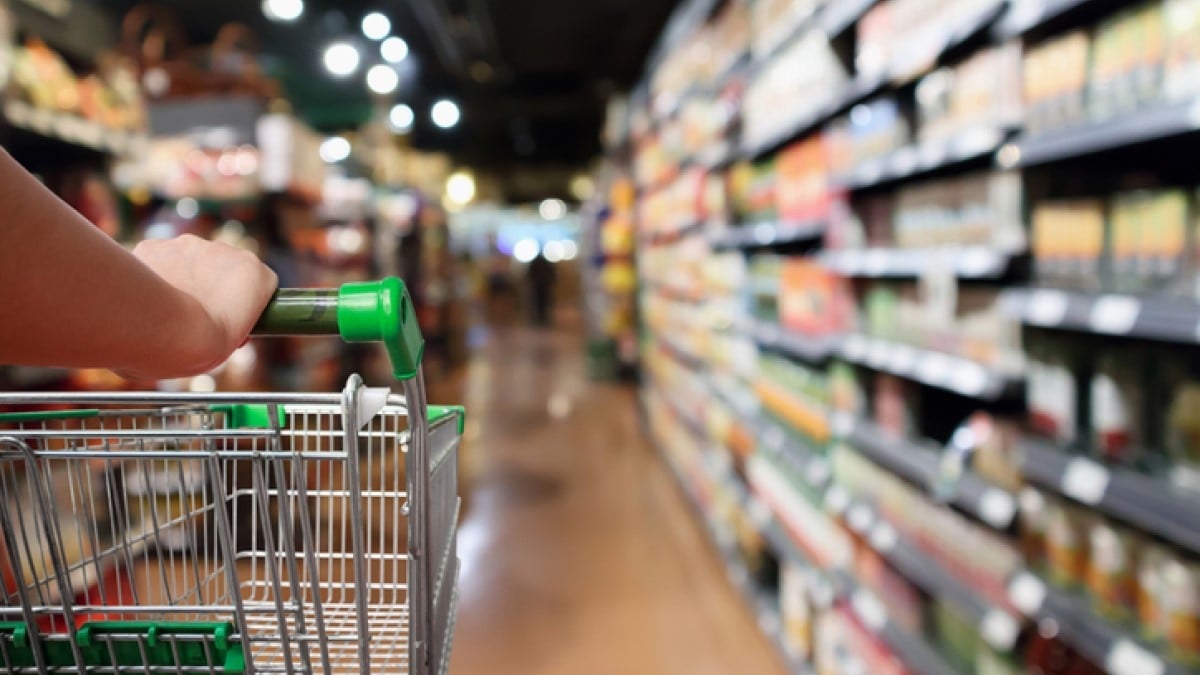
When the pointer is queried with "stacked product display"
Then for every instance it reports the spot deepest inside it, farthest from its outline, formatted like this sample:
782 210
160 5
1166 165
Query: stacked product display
921 343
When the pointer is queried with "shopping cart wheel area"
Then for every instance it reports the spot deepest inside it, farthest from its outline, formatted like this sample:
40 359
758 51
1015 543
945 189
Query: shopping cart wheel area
236 533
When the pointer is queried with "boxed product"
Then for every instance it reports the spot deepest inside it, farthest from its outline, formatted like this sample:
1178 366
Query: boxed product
752 190
1112 569
796 394
803 77
1066 542
875 129
1147 240
893 405
802 190
1126 61
846 394
1181 56
772 22
813 300
1180 384
1055 75
1051 391
1068 243
981 93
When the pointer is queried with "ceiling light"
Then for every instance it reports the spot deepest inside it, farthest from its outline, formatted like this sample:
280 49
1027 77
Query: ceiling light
553 250
525 250
334 149
394 50
445 113
382 79
376 26
570 249
552 209
401 117
187 208
341 59
460 187
283 10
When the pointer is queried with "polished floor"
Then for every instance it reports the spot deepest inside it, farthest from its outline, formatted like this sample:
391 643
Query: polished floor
580 555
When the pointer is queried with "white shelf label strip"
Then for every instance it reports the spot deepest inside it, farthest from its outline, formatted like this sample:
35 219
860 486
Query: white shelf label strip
1027 593
1085 481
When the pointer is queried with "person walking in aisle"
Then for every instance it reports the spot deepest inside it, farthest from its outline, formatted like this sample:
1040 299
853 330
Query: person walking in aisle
73 297
540 275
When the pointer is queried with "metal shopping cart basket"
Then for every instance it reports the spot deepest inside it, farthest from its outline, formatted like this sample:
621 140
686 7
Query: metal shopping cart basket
236 533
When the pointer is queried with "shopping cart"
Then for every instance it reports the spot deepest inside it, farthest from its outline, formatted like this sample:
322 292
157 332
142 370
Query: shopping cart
236 533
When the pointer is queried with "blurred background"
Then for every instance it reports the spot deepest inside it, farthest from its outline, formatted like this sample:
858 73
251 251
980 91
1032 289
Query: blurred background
844 337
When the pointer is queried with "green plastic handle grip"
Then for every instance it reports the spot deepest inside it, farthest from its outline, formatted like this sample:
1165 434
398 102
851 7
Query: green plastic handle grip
372 311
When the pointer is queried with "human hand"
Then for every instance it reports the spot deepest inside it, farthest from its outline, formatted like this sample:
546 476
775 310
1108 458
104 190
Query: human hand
223 291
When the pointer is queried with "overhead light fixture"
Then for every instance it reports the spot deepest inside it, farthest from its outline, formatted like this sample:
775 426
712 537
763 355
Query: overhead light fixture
460 187
376 25
394 50
382 79
526 250
553 250
341 59
445 113
552 209
283 10
334 149
570 249
401 117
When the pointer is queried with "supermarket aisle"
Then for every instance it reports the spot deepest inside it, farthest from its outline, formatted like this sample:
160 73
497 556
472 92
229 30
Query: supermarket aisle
580 555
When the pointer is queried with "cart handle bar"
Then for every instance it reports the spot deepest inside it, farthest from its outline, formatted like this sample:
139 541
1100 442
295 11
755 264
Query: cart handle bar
371 311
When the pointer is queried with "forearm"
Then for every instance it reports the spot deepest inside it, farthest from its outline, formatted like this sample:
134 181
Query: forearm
73 297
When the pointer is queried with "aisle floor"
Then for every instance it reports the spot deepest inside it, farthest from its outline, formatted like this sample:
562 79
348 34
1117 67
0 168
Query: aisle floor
580 554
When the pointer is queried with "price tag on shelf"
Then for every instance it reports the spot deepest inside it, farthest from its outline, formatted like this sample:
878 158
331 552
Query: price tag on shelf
842 423
997 508
836 499
869 610
1126 657
1114 314
1026 13
877 355
1085 481
933 153
765 233
999 629
759 513
934 369
968 378
875 262
855 347
1027 593
904 161
977 262
883 537
1046 307
976 142
860 518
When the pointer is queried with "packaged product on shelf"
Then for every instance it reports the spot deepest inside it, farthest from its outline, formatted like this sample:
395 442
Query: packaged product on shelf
1112 569
997 455
801 191
954 632
774 21
1181 609
1181 59
875 129
1068 242
1033 524
752 190
1066 543
906 607
804 76
1181 423
1117 407
893 403
44 79
1054 76
765 277
1163 224
980 95
796 612
1126 61
813 300
845 391
798 395
1151 620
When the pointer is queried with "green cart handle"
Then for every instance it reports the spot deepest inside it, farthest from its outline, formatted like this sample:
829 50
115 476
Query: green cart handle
372 311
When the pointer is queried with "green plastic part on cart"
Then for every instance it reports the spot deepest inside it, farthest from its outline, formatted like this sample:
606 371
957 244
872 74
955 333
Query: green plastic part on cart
248 415
14 640
157 639
437 412
383 311
46 416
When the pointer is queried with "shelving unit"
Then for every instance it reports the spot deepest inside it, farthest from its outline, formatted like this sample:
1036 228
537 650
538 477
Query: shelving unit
874 259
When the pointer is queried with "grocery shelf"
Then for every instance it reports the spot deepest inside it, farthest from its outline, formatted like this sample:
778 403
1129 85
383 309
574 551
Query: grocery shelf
813 349
914 651
1025 15
919 464
997 626
1147 503
767 233
1165 121
943 371
1097 639
967 262
918 159
951 39
806 464
673 236
681 354
70 130
1164 319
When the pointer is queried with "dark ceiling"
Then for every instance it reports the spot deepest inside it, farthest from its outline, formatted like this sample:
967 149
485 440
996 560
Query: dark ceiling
531 76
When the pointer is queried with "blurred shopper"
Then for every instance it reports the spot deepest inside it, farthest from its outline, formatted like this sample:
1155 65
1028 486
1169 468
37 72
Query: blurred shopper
540 275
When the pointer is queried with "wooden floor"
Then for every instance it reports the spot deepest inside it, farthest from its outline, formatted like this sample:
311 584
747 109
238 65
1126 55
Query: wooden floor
580 555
